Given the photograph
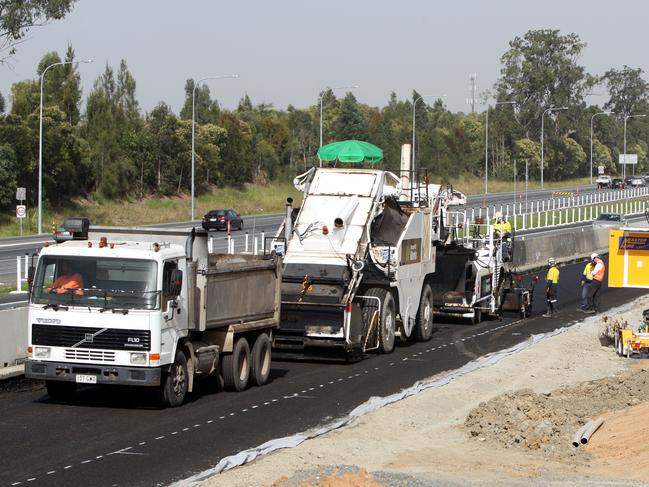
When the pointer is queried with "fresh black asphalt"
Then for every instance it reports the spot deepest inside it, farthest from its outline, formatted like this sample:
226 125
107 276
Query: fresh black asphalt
113 437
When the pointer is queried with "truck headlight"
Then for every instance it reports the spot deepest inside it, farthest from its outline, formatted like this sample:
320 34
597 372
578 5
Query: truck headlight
41 352
138 358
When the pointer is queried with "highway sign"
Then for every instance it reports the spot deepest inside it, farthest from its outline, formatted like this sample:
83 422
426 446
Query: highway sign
600 170
631 159
21 194
21 211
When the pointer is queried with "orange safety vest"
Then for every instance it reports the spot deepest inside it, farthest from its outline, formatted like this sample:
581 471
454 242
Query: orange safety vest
599 275
66 283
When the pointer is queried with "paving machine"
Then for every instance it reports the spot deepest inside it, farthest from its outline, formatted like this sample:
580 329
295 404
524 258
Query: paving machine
359 254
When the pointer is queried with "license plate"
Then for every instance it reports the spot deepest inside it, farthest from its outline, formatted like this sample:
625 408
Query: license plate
212 219
86 379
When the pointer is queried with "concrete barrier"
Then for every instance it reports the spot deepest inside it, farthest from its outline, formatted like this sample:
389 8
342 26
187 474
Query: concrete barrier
13 330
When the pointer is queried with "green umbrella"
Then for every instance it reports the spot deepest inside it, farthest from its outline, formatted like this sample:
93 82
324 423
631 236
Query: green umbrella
350 151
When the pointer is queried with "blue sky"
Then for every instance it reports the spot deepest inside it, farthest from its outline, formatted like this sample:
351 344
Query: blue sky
286 51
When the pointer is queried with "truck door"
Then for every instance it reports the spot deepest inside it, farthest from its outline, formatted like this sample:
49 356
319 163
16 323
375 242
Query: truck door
174 325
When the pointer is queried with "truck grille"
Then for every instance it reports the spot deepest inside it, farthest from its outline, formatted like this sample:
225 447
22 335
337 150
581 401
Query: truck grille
90 337
89 355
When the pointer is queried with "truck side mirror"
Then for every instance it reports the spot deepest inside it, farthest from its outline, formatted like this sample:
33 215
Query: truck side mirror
175 282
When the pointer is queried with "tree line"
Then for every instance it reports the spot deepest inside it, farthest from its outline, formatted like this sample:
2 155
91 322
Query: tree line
113 149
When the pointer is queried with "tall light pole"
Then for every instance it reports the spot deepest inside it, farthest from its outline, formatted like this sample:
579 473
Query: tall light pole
40 142
542 138
486 145
351 87
222 76
626 117
607 112
414 115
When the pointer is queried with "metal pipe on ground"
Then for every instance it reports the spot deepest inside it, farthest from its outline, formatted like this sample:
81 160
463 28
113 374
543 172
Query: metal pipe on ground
591 427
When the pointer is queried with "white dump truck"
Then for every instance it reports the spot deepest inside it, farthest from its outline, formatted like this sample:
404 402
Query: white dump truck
358 258
150 307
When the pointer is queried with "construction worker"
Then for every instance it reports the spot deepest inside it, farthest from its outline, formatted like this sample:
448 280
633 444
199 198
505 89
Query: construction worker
502 227
551 284
586 280
68 281
599 270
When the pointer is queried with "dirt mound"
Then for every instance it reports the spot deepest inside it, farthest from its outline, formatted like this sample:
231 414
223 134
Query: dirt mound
547 422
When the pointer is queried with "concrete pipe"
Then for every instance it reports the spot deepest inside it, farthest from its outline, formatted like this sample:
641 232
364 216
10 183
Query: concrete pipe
576 440
591 427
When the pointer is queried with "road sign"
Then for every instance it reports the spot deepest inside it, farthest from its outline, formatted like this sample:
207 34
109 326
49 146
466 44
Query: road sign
21 211
21 194
631 159
600 170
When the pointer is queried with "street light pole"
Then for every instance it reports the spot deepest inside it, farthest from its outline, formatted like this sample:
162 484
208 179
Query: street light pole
486 147
223 76
542 138
591 140
626 117
414 114
321 103
40 142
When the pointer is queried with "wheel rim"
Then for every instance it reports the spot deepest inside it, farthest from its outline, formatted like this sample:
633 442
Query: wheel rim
243 367
179 380
389 328
265 360
428 322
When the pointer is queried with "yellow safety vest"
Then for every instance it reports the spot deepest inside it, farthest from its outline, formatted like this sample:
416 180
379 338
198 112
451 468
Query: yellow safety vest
553 275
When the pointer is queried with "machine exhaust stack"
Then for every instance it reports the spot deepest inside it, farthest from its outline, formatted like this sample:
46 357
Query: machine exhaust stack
288 227
405 166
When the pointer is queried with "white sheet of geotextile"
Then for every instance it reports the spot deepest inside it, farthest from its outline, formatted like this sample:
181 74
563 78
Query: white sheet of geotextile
372 404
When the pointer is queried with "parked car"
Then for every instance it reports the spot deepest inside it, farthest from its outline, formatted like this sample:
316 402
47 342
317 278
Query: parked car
614 220
218 220
603 181
617 183
636 181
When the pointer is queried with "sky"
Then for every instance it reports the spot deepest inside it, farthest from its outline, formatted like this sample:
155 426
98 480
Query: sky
287 51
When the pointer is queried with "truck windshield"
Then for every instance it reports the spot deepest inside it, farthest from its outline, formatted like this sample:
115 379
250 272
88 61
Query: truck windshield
105 283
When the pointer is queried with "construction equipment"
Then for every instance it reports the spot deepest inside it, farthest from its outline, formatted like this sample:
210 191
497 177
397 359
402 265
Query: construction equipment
358 259
628 341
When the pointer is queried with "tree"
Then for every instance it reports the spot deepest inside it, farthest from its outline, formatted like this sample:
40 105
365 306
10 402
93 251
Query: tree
540 70
2 104
351 124
206 110
7 176
17 17
627 90
70 98
602 157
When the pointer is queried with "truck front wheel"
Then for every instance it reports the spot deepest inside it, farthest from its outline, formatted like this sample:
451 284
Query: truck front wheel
59 390
236 366
175 382
261 360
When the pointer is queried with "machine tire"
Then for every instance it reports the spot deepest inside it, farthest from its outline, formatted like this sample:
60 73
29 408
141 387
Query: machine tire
176 381
386 332
424 325
261 360
616 339
477 316
60 390
236 366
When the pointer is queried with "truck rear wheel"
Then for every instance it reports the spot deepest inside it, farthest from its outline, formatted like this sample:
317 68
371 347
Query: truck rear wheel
236 366
424 325
261 359
59 390
176 381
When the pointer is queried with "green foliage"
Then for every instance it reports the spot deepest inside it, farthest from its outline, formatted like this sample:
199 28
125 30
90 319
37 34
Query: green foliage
7 175
602 157
17 17
627 90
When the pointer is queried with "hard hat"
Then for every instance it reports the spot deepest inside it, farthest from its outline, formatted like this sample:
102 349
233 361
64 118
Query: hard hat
552 261
593 255
498 214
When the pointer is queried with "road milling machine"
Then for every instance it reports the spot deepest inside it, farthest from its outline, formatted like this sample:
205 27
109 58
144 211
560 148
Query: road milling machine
359 257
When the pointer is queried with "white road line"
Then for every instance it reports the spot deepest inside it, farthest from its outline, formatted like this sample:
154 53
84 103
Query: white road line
67 467
185 429
86 461
174 433
159 437
50 472
210 421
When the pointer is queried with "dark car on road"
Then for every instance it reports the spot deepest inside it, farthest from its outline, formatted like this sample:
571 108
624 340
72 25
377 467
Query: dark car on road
617 183
218 220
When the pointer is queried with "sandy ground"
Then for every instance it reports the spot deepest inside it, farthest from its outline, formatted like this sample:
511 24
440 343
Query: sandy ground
445 436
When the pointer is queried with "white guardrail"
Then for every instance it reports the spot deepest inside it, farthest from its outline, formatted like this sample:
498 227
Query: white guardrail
565 209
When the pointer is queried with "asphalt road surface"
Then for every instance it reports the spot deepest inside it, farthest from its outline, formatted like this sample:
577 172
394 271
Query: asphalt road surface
120 436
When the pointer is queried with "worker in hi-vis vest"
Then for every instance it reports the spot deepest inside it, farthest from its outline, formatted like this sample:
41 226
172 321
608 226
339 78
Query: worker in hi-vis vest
551 284
586 280
599 270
